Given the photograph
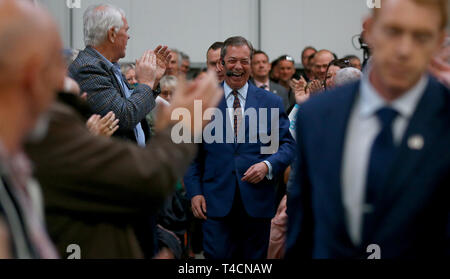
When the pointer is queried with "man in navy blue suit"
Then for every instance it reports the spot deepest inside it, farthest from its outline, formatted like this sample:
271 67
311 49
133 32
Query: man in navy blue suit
232 182
373 157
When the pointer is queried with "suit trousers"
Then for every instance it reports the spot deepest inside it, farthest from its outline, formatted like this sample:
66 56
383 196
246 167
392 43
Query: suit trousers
237 235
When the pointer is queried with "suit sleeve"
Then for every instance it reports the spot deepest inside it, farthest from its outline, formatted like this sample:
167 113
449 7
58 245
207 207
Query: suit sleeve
89 174
299 238
104 97
192 178
285 154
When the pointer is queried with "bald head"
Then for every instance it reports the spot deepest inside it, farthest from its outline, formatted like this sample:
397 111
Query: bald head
25 31
31 64
320 63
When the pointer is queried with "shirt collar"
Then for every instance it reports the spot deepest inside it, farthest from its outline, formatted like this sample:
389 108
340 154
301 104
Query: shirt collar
242 91
259 84
109 63
371 101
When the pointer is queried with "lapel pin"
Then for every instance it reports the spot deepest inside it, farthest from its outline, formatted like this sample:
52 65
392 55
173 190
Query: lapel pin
416 142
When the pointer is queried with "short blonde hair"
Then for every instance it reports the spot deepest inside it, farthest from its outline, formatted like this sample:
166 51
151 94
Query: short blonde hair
441 5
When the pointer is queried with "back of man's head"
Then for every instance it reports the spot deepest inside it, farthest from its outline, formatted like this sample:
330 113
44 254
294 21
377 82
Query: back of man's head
97 20
347 75
440 5
31 62
215 46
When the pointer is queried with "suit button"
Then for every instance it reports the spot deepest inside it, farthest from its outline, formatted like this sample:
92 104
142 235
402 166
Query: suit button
233 172
236 154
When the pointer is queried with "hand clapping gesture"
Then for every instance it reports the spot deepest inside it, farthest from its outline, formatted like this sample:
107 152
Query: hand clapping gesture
315 86
152 65
299 88
103 126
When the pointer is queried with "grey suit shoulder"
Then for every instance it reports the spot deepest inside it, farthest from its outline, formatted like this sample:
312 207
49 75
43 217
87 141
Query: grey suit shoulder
279 90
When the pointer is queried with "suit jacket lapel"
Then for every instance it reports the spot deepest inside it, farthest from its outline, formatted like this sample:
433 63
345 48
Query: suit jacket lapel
336 130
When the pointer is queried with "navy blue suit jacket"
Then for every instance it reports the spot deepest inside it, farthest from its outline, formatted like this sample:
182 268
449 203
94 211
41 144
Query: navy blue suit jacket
412 218
219 166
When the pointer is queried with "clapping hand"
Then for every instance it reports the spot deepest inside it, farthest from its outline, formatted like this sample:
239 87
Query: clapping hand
103 126
299 88
162 60
151 67
205 90
315 86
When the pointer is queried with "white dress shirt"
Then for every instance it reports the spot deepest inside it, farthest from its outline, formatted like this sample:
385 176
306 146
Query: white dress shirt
363 127
259 84
242 95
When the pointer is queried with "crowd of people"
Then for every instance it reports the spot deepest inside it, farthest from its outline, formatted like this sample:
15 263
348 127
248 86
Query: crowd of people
88 156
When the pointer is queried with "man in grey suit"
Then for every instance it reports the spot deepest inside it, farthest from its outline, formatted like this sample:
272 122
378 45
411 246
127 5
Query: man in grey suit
98 73
260 73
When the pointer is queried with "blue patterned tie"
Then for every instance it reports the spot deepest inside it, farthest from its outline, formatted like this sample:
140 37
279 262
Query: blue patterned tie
381 156
138 131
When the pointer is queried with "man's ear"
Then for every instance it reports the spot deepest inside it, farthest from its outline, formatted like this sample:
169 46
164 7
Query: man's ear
368 30
220 66
112 35
30 75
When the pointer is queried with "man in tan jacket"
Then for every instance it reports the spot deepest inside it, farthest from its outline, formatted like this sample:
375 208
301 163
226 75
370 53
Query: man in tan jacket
97 190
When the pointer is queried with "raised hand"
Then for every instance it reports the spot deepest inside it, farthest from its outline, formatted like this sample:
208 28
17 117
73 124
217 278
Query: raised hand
299 88
315 86
162 60
146 69
205 90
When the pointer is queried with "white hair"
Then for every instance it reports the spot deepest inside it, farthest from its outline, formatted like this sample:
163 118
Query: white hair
179 55
168 82
124 68
347 75
97 20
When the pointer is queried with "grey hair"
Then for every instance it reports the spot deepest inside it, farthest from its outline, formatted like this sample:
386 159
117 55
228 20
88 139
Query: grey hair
347 75
124 68
184 56
235 41
179 55
168 82
97 20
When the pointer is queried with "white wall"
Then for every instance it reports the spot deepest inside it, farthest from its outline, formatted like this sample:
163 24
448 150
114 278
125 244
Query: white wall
192 25
290 25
